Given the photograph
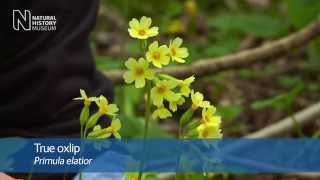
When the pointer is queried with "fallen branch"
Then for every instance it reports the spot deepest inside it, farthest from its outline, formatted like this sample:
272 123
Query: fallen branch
269 51
302 117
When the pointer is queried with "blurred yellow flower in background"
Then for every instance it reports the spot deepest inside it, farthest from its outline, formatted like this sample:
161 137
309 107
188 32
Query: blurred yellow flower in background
158 55
138 71
175 26
142 29
178 53
197 100
191 7
161 113
105 108
163 90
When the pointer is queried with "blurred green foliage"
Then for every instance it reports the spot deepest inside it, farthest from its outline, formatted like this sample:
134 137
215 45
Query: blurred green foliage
258 25
282 101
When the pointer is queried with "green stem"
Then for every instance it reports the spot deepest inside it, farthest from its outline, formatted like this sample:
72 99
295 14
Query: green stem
81 135
296 125
29 176
147 118
81 131
148 109
143 46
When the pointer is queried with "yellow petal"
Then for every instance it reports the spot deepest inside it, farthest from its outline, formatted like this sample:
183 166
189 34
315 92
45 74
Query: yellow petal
103 100
156 98
134 33
116 124
177 42
153 31
134 23
179 60
143 62
153 46
149 74
173 106
140 82
171 96
128 77
189 80
117 135
130 63
112 108
171 84
164 113
182 52
145 22
164 49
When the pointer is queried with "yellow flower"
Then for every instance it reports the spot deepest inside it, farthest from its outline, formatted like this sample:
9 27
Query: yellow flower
131 176
86 101
158 55
197 100
138 71
163 90
209 117
114 128
209 130
161 113
105 108
176 26
173 105
141 29
178 53
191 7
135 176
185 86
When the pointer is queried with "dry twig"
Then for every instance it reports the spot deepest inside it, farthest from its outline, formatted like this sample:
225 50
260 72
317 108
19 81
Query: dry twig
302 117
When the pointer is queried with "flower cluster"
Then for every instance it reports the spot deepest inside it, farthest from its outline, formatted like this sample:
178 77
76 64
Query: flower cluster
167 93
88 122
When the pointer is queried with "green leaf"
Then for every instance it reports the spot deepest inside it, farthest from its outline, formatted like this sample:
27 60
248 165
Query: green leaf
128 104
193 124
289 81
302 12
107 63
229 112
186 117
259 25
93 120
133 127
314 55
282 101
223 47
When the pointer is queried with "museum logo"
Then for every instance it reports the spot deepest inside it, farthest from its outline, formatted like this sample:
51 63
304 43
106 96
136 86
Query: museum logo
25 21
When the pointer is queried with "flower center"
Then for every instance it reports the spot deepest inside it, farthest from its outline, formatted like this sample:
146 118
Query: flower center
156 55
142 32
173 51
139 71
103 109
161 89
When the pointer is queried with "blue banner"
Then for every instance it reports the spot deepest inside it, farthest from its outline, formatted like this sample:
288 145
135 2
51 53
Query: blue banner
159 155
